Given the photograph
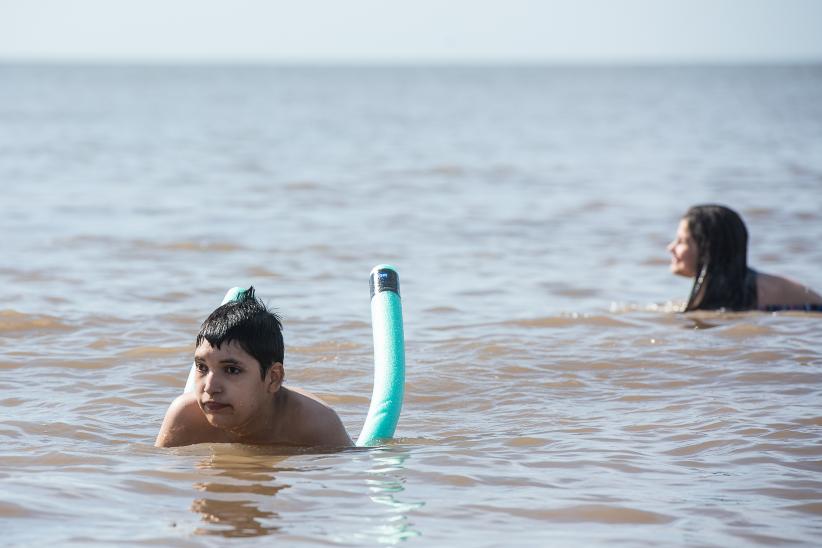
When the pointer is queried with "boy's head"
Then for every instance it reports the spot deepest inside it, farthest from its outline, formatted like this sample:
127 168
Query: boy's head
250 324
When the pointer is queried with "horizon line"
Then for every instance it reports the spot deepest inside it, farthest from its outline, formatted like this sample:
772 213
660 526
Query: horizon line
406 61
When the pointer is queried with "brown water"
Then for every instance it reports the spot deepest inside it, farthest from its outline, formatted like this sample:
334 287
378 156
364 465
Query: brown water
554 396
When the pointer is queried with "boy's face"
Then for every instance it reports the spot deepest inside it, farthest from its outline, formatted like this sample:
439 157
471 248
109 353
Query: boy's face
229 389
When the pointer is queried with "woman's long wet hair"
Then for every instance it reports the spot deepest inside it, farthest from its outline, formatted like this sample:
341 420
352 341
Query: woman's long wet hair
723 278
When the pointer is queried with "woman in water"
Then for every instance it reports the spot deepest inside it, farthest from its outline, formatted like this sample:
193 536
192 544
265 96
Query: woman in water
711 246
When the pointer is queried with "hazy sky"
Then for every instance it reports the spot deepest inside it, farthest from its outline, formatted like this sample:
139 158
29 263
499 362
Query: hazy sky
418 30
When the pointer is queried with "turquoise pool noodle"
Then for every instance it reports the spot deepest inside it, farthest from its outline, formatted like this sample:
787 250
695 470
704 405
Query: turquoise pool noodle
389 364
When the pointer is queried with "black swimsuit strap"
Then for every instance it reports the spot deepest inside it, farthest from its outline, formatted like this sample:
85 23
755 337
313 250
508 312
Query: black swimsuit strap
797 307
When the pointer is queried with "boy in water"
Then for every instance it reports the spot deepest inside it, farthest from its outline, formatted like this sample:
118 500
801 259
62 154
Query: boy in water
239 396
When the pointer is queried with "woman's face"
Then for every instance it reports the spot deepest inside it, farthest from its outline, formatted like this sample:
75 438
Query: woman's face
683 252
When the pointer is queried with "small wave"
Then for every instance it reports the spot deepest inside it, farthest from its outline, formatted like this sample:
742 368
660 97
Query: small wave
169 297
261 272
577 292
525 441
814 508
654 261
11 510
348 399
201 247
759 213
596 513
154 351
480 292
436 170
669 307
304 185
746 330
12 321
692 449
569 321
353 325
324 347
441 310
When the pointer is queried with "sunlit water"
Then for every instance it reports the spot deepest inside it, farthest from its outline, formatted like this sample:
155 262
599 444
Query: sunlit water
554 396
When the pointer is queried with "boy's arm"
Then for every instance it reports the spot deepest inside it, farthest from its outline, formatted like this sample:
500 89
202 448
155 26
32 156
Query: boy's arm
180 423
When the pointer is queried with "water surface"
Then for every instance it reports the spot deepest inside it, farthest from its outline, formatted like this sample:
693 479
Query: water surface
554 397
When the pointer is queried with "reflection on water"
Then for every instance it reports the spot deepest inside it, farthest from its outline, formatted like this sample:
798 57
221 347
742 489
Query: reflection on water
243 493
243 483
385 481
234 518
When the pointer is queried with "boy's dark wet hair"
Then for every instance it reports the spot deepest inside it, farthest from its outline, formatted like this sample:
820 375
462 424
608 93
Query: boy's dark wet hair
248 322
723 278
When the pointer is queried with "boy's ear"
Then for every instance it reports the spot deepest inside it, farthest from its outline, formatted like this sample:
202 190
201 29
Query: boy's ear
274 377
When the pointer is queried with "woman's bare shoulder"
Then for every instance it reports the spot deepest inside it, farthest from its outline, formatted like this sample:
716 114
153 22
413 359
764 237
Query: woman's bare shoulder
774 291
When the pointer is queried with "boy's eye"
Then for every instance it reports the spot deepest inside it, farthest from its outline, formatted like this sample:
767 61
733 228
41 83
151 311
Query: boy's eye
201 367
233 370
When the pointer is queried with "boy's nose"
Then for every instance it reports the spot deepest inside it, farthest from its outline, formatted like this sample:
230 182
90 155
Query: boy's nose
210 384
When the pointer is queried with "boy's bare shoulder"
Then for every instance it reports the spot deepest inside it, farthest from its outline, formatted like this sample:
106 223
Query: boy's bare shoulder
317 423
185 424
